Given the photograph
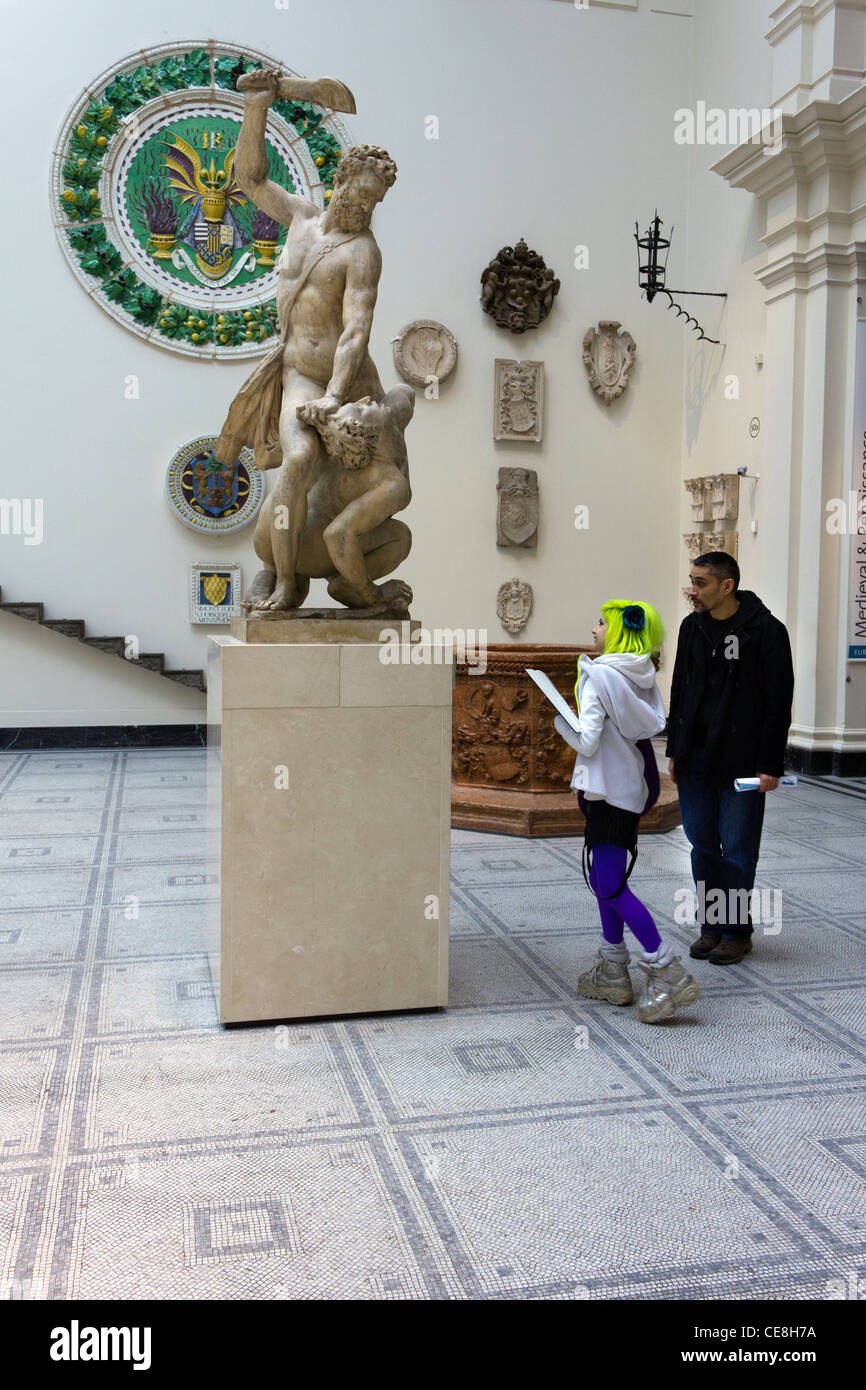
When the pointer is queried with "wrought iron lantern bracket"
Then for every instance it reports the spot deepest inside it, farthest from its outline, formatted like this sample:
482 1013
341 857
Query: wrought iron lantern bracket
652 271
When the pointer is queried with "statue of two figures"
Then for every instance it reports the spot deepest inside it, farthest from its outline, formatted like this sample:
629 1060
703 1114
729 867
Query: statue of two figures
314 408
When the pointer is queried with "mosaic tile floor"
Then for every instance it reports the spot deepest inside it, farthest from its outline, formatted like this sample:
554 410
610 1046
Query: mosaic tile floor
520 1145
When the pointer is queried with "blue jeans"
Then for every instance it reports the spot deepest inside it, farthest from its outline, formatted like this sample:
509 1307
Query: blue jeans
723 827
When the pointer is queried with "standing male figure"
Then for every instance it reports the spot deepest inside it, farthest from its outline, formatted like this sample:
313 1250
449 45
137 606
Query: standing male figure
328 283
729 717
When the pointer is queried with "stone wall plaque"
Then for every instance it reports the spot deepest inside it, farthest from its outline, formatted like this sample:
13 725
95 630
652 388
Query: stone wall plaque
423 351
698 498
715 503
517 288
609 357
514 604
518 404
701 542
517 507
714 498
724 495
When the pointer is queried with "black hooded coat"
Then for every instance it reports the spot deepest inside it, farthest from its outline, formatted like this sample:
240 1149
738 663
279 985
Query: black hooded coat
748 732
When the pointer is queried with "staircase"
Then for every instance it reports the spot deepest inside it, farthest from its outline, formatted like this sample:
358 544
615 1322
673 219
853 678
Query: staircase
114 646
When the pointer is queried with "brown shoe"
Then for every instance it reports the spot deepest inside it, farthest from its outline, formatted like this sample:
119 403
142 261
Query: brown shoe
730 950
706 942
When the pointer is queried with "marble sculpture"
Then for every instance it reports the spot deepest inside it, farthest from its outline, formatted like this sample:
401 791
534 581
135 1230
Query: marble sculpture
315 408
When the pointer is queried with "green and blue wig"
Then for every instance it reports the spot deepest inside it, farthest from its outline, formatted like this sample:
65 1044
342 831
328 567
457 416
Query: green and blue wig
631 627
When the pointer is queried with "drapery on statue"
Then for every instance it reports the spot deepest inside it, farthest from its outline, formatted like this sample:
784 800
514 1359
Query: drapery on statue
315 407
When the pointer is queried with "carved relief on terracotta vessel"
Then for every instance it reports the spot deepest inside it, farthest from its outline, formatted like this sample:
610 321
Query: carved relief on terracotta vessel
511 771
503 732
491 734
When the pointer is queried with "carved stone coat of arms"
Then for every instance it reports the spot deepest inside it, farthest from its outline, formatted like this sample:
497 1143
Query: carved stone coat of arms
518 404
514 605
609 357
517 510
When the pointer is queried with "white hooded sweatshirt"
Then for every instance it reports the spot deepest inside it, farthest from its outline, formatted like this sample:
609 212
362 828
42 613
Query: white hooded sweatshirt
619 704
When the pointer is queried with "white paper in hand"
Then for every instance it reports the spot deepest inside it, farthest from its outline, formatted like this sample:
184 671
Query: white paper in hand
546 686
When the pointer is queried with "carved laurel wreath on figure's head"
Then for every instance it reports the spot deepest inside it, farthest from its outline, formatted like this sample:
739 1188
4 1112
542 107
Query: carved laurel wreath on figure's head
360 157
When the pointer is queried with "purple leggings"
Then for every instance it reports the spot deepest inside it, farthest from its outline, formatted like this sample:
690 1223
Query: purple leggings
606 874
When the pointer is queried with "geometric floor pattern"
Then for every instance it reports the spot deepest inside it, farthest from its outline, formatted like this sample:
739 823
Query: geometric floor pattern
520 1145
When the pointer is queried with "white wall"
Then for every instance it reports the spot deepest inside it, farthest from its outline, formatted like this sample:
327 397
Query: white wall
555 124
61 682
731 68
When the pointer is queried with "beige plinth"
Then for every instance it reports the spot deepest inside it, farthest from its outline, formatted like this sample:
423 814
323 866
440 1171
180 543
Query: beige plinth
334 890
320 625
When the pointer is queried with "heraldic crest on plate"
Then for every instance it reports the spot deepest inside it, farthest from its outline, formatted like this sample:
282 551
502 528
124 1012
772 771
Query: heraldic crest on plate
211 496
147 205
214 592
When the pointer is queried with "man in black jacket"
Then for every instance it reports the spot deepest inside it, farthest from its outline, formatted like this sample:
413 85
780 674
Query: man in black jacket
729 717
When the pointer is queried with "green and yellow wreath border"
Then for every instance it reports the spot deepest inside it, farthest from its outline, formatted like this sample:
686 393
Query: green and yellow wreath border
96 255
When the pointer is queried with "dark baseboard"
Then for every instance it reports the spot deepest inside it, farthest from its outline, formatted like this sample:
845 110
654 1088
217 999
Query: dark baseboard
105 736
825 762
811 762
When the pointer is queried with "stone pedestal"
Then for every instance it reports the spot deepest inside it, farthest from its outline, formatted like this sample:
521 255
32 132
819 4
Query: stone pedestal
330 781
511 771
319 625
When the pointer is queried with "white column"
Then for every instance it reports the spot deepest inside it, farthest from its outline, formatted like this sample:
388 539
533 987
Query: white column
811 185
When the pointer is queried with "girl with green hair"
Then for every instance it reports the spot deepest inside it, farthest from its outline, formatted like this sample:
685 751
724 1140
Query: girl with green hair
620 710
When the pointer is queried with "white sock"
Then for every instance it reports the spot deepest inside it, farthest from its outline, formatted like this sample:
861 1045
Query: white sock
660 957
617 952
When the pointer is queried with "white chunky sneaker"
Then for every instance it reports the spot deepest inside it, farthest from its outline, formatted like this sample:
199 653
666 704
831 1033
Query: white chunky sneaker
664 989
607 979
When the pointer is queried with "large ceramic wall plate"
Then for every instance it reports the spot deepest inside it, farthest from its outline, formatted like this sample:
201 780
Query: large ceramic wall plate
213 497
147 207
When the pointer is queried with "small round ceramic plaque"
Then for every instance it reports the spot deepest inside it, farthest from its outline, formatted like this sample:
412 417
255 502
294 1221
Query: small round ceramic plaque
213 497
